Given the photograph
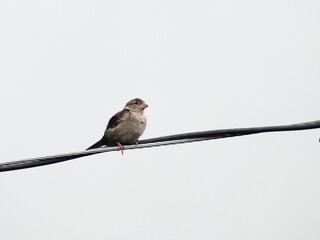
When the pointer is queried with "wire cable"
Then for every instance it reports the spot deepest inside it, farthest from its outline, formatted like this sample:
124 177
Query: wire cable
158 141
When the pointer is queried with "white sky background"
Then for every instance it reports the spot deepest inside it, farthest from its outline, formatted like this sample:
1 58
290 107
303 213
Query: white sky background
68 66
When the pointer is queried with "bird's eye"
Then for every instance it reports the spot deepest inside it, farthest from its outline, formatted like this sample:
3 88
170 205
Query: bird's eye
136 103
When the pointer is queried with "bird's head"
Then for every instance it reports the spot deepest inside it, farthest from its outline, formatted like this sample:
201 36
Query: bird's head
137 105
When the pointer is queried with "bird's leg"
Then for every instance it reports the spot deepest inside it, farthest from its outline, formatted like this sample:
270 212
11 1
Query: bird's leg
120 147
136 143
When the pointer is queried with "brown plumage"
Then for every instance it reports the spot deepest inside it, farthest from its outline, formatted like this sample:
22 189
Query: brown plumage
125 127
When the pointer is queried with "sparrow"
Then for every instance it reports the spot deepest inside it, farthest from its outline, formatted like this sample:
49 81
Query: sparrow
125 127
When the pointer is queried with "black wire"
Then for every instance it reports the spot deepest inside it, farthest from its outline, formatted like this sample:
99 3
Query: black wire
159 141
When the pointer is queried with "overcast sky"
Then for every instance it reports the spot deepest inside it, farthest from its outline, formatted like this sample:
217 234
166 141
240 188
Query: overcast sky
68 66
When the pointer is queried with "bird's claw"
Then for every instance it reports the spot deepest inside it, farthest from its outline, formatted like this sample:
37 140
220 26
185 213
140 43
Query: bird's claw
120 147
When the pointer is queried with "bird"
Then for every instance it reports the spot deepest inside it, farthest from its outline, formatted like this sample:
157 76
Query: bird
125 127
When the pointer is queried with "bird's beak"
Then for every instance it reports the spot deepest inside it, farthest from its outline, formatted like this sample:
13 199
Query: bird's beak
144 106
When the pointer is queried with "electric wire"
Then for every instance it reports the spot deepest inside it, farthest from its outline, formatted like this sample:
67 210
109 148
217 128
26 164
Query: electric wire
158 141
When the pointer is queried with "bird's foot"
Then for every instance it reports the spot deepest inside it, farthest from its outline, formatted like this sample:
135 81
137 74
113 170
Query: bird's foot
120 147
137 142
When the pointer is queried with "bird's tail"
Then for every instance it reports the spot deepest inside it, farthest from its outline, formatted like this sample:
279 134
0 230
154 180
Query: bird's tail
96 145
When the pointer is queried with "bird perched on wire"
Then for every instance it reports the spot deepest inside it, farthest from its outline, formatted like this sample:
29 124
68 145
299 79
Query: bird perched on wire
125 127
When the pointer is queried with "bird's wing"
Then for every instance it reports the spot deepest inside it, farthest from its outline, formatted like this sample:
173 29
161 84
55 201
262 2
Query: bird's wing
117 118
